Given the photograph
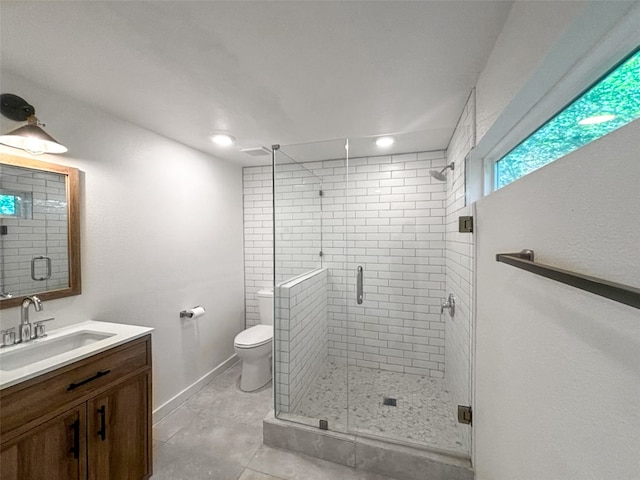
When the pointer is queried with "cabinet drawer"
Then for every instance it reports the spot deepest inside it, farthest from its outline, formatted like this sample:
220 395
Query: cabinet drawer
27 404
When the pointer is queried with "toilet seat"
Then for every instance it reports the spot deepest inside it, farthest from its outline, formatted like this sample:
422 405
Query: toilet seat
254 337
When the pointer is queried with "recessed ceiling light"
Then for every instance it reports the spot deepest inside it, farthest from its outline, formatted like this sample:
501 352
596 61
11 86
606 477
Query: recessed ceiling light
596 119
222 139
383 142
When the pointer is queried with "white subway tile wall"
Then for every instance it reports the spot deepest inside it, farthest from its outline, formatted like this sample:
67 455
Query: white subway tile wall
298 221
43 234
258 237
459 271
392 223
298 228
301 338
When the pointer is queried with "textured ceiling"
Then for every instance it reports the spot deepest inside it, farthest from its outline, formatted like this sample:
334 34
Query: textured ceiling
266 72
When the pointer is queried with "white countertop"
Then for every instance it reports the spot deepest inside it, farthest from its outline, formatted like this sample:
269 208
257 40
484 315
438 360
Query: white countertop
120 333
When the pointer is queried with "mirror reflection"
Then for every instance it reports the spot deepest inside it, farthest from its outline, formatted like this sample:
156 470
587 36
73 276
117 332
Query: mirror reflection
35 230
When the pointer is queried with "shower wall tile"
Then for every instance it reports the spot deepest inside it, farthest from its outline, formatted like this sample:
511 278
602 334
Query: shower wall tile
258 237
298 228
298 221
392 223
301 317
459 271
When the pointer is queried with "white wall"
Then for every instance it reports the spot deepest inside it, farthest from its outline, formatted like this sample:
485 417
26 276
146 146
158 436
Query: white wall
558 369
546 54
161 230
553 366
528 34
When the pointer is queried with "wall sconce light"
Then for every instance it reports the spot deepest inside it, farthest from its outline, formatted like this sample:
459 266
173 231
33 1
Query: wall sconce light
29 137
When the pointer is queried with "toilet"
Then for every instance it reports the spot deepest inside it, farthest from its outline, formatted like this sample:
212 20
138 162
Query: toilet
253 346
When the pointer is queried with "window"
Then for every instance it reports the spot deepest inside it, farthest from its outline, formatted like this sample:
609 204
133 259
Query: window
15 204
609 104
8 205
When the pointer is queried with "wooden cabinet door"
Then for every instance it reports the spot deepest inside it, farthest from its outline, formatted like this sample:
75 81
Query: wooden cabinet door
119 438
55 450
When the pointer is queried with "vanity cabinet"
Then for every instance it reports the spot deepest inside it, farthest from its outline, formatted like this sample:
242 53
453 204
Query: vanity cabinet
118 449
88 420
45 451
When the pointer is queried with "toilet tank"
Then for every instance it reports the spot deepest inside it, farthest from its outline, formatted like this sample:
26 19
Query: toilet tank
265 306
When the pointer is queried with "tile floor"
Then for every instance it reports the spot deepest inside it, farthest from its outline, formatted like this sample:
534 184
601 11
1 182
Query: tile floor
423 413
217 434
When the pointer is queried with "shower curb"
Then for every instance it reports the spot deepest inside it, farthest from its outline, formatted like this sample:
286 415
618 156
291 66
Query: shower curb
362 453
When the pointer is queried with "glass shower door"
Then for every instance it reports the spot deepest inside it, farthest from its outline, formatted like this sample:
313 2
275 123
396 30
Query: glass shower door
369 362
395 332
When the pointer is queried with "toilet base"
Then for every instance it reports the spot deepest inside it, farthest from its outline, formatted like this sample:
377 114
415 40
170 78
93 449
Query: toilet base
255 374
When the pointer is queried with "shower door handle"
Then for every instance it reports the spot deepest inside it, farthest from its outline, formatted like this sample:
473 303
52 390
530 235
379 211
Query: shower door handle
359 286
33 268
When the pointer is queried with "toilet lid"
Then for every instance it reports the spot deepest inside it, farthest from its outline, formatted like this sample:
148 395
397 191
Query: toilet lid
254 336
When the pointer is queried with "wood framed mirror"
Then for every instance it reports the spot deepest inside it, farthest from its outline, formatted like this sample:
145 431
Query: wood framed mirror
39 230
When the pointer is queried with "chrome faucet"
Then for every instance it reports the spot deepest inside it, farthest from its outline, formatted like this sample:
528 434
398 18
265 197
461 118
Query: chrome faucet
25 325
450 303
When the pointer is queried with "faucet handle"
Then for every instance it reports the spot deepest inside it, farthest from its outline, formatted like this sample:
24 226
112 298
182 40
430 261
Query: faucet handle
40 329
450 303
8 337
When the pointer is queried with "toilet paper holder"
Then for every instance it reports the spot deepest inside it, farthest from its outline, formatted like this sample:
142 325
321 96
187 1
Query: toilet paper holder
194 312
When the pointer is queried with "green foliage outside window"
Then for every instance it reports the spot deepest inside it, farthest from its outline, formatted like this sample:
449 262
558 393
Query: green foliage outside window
615 97
7 205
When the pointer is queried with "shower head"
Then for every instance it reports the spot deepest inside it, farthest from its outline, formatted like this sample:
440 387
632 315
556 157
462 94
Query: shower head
440 175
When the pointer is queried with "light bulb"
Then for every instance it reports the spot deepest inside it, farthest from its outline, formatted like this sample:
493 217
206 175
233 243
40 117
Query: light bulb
222 139
384 142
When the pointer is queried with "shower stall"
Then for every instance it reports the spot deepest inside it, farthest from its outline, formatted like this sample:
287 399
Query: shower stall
360 279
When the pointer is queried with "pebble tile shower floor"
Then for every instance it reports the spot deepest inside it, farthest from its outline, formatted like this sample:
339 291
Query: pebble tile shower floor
217 434
423 413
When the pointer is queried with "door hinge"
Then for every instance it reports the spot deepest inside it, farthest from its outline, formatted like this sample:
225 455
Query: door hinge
465 224
321 192
464 414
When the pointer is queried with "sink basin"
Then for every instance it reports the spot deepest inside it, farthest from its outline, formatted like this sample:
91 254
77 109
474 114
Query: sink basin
47 348
63 346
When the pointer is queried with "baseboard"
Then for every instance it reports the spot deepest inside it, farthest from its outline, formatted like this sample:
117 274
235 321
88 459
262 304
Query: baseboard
170 405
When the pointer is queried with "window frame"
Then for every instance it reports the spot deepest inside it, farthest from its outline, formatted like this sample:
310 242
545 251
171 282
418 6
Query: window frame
491 169
594 42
